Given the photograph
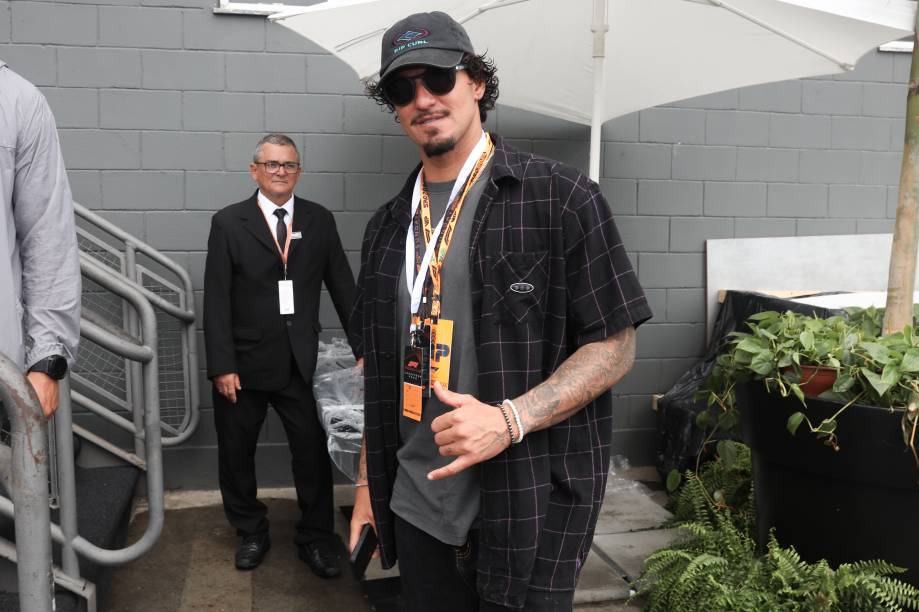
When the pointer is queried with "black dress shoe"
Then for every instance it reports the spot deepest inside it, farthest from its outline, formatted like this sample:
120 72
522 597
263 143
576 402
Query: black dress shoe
321 558
251 550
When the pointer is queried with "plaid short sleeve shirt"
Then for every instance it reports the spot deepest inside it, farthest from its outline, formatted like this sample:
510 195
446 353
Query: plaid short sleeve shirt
549 274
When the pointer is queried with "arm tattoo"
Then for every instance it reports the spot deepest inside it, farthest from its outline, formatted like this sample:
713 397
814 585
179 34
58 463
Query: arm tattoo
587 373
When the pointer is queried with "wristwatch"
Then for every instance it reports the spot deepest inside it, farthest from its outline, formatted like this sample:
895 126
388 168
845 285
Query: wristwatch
54 366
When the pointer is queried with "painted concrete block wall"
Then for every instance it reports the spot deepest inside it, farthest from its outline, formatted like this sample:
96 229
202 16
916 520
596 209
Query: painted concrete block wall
160 102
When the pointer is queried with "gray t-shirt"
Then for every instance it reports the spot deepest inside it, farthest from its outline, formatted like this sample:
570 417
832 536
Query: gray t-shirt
445 509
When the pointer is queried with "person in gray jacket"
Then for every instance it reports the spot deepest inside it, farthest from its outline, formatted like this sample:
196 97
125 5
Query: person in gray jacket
39 264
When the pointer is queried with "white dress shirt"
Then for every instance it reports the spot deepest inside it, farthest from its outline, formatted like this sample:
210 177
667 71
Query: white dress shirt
268 207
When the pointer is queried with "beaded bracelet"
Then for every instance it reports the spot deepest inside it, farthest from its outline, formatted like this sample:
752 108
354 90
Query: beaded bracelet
520 432
507 420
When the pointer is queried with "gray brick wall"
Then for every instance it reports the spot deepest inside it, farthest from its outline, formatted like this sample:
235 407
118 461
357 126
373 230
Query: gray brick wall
159 103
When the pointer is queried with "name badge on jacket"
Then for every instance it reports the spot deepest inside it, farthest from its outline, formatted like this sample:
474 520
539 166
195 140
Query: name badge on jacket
286 296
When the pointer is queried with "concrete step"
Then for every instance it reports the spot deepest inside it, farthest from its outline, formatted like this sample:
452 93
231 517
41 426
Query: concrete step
104 497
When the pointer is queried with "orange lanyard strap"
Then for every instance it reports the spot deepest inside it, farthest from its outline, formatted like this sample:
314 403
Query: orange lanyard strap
432 285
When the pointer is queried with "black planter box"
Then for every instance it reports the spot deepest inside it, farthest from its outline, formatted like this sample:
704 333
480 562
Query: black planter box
681 439
854 504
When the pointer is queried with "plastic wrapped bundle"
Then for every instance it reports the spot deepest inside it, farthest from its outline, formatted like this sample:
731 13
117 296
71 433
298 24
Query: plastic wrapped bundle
338 386
333 356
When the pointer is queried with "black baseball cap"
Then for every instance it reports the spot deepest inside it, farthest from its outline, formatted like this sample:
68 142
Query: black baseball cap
428 39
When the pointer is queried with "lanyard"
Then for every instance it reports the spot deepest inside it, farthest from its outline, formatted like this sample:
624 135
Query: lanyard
282 252
416 266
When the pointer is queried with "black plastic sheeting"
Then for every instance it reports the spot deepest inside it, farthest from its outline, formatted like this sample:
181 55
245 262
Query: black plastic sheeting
680 438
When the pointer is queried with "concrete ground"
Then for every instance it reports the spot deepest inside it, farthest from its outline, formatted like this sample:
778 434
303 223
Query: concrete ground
191 566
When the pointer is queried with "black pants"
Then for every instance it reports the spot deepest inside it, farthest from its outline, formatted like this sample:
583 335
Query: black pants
437 577
238 426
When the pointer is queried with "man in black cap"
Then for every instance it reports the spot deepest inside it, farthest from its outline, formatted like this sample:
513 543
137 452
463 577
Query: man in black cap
497 307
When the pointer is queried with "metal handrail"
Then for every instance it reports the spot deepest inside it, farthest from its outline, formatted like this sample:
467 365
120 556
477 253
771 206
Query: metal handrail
149 251
66 535
106 278
186 315
108 340
26 466
29 441
144 355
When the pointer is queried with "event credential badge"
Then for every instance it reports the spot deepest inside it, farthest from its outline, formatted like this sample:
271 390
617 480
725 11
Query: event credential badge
413 382
441 347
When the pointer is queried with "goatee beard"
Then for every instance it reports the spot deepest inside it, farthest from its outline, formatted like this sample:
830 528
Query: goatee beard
439 148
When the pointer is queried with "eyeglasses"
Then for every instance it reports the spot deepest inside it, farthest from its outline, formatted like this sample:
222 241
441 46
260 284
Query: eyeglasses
272 167
400 90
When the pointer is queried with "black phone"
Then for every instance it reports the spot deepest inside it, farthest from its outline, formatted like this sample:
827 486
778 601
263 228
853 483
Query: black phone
360 556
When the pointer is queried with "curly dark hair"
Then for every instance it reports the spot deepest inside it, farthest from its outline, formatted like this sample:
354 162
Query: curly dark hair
480 69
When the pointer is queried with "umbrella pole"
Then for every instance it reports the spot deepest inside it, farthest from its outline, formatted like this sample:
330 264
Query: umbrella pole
599 27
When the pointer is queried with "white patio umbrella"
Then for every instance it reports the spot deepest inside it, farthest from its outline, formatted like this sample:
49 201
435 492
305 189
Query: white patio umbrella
589 61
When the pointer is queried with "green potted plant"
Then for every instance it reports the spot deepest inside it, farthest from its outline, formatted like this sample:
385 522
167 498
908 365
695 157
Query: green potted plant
853 504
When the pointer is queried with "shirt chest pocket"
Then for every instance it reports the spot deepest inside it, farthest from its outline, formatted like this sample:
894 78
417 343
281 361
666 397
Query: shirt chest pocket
517 287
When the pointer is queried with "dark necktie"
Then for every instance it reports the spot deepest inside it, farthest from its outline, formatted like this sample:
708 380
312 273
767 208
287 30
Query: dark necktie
281 231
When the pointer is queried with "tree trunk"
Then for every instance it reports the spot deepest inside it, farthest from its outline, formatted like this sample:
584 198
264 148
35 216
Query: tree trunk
900 282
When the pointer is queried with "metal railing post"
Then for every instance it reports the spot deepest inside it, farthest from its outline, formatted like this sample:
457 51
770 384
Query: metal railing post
63 420
136 374
53 484
29 488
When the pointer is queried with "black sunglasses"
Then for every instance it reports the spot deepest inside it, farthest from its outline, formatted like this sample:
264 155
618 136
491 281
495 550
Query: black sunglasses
400 90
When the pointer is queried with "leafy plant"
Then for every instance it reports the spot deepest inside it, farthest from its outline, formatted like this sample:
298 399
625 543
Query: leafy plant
714 567
724 483
870 369
871 319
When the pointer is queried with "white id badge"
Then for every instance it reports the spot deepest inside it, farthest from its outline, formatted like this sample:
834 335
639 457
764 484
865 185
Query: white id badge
286 296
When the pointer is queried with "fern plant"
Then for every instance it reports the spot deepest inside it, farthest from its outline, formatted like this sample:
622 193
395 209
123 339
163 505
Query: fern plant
725 482
714 566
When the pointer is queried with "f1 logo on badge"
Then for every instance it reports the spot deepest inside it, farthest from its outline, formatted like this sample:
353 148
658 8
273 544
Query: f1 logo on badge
442 350
413 364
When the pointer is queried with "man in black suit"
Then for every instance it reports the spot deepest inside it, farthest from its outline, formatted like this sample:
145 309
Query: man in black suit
267 258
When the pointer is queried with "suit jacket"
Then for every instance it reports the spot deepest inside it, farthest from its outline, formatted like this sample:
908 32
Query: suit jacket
244 331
